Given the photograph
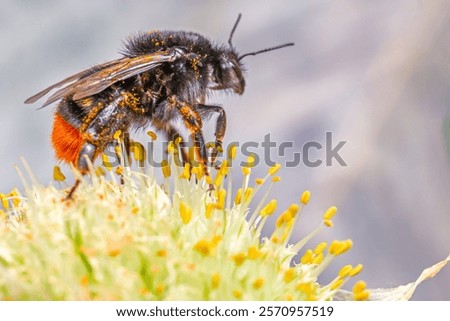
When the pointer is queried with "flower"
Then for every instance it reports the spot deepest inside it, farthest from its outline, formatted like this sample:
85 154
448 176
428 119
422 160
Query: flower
134 239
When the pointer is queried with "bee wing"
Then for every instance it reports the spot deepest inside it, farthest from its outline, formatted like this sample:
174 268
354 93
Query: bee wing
87 83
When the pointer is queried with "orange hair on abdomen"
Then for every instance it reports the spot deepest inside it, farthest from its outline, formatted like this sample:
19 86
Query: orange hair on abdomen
66 140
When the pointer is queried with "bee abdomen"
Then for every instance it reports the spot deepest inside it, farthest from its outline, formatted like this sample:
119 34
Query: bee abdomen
66 140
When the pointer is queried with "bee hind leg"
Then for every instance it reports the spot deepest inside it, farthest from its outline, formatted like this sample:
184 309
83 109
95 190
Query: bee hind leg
88 151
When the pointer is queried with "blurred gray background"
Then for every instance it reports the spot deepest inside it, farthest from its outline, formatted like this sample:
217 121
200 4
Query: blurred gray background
374 73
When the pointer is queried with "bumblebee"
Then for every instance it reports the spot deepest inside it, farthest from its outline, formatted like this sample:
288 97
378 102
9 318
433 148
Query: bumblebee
161 77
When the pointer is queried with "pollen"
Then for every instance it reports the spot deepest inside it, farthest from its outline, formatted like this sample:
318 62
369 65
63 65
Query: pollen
237 294
336 284
215 280
117 134
345 270
259 181
232 152
289 275
185 213
209 210
274 169
246 171
165 168
57 174
307 257
258 283
276 179
359 291
330 213
186 174
152 135
203 247
253 253
237 198
4 200
238 258
356 270
340 247
304 199
269 208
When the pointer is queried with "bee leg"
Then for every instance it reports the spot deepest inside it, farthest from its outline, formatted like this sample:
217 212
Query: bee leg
173 135
87 151
221 125
193 123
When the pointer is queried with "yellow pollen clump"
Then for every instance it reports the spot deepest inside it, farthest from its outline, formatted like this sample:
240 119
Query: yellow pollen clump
106 162
203 247
135 210
215 280
304 199
58 175
152 135
117 134
258 283
218 180
274 169
238 258
119 170
237 294
246 171
209 210
139 152
320 247
269 208
221 194
171 147
237 198
253 253
289 275
4 200
337 284
356 270
328 215
185 213
340 247
232 152
161 253
186 171
359 291
345 270
328 223
276 179
224 168
307 257
248 194
259 181
251 161
165 168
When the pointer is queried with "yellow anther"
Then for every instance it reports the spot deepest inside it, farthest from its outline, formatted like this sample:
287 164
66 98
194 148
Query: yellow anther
171 147
117 134
250 161
317 259
246 171
208 180
222 193
274 169
159 289
340 247
237 198
57 174
224 168
269 208
345 270
119 170
293 209
106 162
152 135
304 199
99 171
186 171
238 258
215 280
135 210
161 253
359 291
178 141
248 194
259 181
232 152
218 180
328 223
209 210
289 275
203 247
253 253
258 283
330 213
356 270
359 287
165 168
320 247
139 153
237 294
185 213
4 200
276 179
307 257
336 284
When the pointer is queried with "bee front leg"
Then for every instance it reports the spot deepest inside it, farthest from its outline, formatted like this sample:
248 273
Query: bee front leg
193 123
87 151
221 126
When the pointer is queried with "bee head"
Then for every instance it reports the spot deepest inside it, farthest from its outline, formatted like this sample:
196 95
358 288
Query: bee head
227 74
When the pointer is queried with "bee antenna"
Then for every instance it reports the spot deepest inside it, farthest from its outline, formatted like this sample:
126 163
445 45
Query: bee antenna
234 28
265 50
